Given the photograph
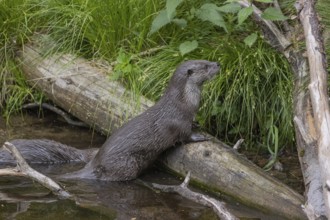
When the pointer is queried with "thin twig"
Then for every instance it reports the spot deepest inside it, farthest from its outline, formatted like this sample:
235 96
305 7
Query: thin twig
238 144
217 206
58 111
142 54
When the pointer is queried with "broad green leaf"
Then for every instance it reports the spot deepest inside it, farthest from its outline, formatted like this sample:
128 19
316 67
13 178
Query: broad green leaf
171 6
273 14
230 8
265 1
192 13
182 23
251 39
122 57
188 46
160 21
115 75
243 14
208 12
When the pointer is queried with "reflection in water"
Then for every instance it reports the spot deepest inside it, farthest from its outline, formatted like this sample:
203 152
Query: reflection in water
130 200
22 199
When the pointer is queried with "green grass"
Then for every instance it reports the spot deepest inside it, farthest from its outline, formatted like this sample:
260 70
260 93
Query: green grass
15 27
99 28
89 28
323 8
250 99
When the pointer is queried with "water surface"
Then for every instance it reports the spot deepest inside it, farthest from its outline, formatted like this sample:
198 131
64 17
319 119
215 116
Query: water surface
20 198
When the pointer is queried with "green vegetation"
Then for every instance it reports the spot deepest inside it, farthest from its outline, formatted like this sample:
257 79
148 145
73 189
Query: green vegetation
323 8
14 30
250 99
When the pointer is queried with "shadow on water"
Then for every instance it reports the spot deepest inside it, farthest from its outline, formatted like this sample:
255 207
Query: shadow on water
23 199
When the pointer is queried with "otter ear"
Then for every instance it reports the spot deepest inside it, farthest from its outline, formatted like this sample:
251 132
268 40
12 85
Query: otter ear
190 71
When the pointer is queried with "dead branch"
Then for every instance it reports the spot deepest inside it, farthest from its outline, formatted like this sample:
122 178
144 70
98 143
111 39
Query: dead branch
58 111
217 206
142 54
24 170
318 90
238 144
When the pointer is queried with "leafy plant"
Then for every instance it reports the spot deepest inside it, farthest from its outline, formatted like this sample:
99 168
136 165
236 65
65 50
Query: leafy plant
123 66
214 14
167 16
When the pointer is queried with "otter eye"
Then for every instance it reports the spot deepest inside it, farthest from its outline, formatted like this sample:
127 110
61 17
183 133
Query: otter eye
190 71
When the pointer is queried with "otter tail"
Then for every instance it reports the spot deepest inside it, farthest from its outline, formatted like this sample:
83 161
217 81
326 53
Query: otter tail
43 151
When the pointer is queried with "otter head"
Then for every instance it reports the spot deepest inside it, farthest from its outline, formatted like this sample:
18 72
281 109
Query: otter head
189 77
195 72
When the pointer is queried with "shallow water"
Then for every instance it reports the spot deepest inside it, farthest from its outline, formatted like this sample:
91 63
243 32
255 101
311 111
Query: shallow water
23 199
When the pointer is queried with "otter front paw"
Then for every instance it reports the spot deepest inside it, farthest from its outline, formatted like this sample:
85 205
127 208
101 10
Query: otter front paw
195 125
197 137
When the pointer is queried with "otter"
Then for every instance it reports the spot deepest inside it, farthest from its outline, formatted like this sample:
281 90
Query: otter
138 143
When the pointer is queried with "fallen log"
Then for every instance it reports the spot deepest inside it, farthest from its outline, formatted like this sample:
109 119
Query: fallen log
318 89
81 87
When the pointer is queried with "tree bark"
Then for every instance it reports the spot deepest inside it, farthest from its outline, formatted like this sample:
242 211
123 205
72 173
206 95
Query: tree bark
318 92
82 88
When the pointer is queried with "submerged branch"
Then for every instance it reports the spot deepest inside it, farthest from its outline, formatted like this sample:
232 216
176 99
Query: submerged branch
24 170
217 206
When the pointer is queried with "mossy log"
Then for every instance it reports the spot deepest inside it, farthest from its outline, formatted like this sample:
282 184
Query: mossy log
82 88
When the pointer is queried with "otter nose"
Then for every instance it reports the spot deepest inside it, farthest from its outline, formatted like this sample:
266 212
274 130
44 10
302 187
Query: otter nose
218 64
